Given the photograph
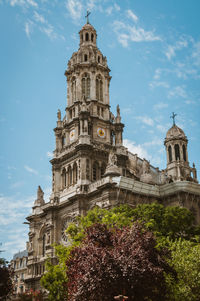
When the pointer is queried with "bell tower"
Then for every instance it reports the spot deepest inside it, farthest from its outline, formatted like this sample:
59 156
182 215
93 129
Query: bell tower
88 131
178 168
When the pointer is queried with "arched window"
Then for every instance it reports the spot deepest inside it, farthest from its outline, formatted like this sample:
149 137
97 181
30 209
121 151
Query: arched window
99 88
75 173
85 58
87 36
87 169
98 59
184 153
44 245
69 171
64 177
86 85
63 141
92 37
73 89
95 171
103 169
177 152
170 153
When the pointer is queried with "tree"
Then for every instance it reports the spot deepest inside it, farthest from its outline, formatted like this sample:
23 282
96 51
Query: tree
185 258
6 285
110 262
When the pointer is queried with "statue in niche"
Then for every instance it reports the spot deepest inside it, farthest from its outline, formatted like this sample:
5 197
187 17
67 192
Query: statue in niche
112 159
59 115
83 104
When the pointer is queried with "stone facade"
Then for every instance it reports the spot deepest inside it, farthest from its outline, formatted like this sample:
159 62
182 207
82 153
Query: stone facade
91 167
19 264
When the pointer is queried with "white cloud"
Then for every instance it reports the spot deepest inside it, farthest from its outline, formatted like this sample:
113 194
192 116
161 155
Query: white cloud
126 33
196 54
171 49
189 102
131 15
178 91
156 84
31 170
75 8
39 18
154 142
136 149
161 128
24 3
29 28
146 120
49 31
160 106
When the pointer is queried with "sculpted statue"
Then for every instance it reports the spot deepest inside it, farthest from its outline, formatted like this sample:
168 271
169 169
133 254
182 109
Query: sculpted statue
112 159
40 193
118 111
59 115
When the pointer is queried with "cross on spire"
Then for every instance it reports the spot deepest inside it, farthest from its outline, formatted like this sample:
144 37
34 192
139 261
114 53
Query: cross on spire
173 117
87 16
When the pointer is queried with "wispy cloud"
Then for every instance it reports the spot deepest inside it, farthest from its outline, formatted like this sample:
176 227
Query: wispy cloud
31 170
75 9
127 33
178 91
23 3
146 120
136 149
39 18
171 49
131 15
156 84
29 28
160 106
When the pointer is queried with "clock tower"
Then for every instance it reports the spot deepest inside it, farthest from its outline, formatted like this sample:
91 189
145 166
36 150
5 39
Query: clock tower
89 131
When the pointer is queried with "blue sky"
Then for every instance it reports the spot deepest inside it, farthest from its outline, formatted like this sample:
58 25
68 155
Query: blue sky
153 51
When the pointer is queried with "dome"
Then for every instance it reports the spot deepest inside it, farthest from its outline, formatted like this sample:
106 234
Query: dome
175 132
87 26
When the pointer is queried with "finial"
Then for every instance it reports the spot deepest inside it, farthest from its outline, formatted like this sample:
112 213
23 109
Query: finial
59 115
173 117
87 16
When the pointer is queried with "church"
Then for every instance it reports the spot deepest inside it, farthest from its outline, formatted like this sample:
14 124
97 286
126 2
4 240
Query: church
90 165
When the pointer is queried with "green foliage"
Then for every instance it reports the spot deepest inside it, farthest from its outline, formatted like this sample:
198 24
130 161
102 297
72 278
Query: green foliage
167 223
6 284
185 258
55 277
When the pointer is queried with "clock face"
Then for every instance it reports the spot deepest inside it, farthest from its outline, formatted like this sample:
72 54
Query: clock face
72 135
101 132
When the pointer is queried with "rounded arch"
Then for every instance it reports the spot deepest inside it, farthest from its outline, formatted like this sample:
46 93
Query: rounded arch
184 153
85 83
103 169
177 152
64 177
69 172
95 171
87 36
73 88
99 87
92 37
170 153
75 173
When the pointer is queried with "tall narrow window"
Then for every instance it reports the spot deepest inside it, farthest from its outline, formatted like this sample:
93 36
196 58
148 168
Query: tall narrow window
85 57
73 89
44 244
95 170
99 88
103 169
170 153
86 85
92 37
87 36
177 152
75 170
184 153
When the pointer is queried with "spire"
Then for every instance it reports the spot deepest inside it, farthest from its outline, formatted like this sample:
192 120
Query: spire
173 117
87 16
